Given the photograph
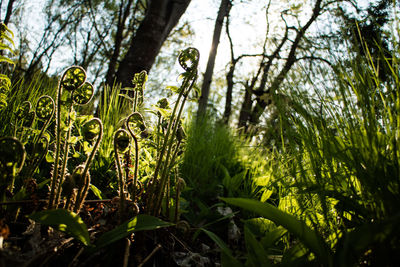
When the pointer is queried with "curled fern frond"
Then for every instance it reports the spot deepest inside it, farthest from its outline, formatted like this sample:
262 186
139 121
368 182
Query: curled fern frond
136 121
83 94
121 145
73 78
91 129
94 128
121 141
139 79
163 103
25 114
189 59
23 110
45 108
12 158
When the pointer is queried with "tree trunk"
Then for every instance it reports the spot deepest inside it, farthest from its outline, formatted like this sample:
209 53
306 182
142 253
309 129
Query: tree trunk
245 110
122 17
229 92
161 17
9 11
205 88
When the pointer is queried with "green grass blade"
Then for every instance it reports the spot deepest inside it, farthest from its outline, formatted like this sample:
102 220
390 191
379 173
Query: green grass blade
309 237
227 257
64 221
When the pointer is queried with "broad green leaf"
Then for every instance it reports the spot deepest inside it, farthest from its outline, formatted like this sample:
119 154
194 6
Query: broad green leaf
139 223
64 221
50 157
40 186
226 253
257 256
259 226
74 139
266 195
309 237
96 191
294 255
164 112
127 97
174 89
273 236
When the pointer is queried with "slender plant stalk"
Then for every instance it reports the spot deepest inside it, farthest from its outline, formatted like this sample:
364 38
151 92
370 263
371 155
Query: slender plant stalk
164 176
152 188
65 157
58 144
121 181
85 175
135 174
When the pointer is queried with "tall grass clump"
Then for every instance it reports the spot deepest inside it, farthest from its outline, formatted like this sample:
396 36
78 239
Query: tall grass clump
111 110
210 148
338 183
23 90
344 175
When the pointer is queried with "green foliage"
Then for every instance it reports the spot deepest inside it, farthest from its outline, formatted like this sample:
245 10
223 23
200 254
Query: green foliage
170 143
337 178
65 221
71 224
226 253
210 150
20 92
79 92
76 141
256 253
298 228
5 82
141 222
12 159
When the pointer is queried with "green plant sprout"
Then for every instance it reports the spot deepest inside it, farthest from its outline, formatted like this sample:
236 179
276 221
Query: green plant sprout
12 158
188 59
91 129
135 143
121 146
80 92
44 111
24 118
136 119
166 138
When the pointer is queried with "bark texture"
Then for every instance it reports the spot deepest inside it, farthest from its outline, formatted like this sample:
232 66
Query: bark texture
161 17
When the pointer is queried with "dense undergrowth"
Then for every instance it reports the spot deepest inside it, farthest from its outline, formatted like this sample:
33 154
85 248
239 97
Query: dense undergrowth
133 185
